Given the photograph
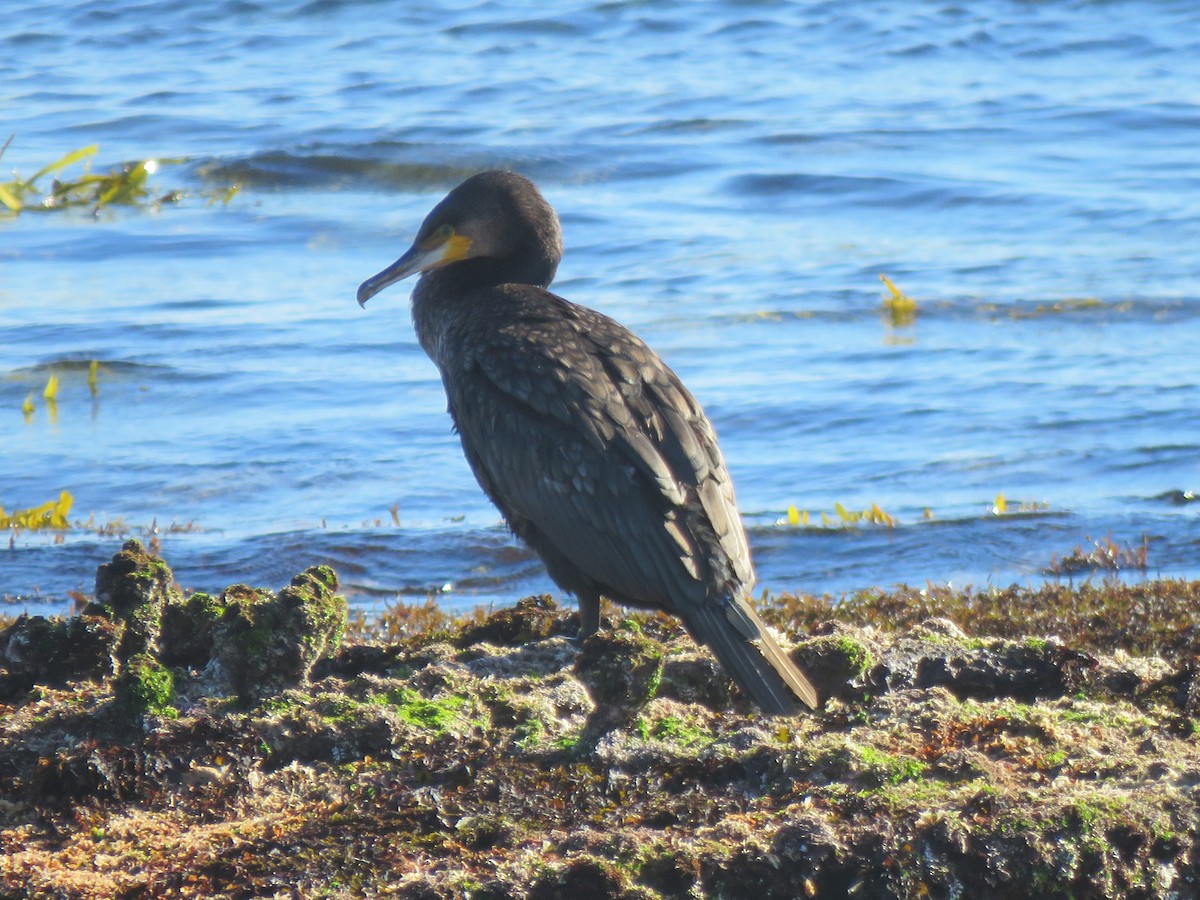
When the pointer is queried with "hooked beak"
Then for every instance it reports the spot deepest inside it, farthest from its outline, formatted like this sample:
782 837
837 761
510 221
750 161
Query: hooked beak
436 251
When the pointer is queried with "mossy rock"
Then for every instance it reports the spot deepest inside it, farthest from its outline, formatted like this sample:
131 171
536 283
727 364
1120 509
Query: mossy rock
187 629
532 619
54 651
269 644
133 589
145 686
837 660
620 668
621 671
697 677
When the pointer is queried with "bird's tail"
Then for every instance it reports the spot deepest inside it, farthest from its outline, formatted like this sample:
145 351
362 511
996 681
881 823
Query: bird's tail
741 641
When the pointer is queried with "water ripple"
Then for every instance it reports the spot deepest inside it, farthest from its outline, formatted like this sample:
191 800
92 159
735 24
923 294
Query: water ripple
732 180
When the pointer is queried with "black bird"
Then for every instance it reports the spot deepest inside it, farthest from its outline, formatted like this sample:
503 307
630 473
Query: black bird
595 453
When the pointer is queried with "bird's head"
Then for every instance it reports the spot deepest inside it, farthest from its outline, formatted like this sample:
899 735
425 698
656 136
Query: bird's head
496 216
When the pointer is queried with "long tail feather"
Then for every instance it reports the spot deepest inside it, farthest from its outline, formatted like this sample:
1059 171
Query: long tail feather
741 641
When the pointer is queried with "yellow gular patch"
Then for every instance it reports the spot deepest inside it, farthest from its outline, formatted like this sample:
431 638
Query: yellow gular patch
439 251
457 247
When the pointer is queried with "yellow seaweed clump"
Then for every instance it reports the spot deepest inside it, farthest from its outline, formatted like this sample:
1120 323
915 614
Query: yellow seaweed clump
51 514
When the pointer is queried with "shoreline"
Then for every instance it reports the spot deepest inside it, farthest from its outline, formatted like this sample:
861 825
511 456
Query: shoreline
1003 743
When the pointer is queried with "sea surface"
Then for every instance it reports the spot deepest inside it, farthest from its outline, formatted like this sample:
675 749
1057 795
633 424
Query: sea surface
733 177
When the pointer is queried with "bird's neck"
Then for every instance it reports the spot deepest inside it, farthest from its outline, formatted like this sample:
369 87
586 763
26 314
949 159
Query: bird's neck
483 272
450 299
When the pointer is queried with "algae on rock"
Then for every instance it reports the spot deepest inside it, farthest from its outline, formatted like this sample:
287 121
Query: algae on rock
134 589
269 644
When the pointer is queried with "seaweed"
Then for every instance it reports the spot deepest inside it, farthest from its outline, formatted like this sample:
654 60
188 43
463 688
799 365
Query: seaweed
127 184
899 309
52 514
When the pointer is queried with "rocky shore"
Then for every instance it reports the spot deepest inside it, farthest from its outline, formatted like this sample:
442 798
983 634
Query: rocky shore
998 744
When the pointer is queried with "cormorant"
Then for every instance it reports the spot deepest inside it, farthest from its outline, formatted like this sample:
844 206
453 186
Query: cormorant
595 453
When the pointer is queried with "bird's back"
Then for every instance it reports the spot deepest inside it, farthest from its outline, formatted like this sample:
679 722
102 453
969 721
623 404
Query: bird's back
584 438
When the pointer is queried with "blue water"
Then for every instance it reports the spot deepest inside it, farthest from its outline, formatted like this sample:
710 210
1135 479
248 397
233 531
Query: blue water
732 178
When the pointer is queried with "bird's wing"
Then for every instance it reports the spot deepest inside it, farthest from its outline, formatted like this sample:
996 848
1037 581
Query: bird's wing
572 423
680 436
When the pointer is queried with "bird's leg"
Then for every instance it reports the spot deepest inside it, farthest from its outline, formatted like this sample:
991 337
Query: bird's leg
589 615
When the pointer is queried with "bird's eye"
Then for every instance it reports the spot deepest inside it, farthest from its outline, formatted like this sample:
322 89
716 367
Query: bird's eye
444 231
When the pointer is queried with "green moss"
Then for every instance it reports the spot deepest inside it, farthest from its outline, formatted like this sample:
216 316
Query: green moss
146 686
435 715
858 656
277 704
674 730
891 768
204 605
1016 825
1053 760
1095 810
529 733
568 742
1023 713
654 682
338 709
920 793
629 623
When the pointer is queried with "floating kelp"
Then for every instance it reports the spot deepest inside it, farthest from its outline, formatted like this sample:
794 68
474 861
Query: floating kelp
899 309
52 514
125 185
842 517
